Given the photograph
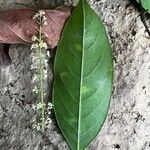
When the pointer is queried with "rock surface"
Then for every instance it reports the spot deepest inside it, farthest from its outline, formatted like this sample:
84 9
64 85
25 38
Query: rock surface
127 126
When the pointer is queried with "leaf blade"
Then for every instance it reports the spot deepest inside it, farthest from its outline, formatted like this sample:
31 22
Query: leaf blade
94 80
145 4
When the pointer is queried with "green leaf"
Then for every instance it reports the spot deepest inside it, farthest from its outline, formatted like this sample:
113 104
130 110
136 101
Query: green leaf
145 4
83 77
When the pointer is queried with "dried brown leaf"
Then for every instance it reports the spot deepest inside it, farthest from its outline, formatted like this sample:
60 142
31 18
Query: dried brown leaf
17 26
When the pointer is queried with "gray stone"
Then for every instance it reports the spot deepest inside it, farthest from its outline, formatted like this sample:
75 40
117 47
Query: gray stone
127 126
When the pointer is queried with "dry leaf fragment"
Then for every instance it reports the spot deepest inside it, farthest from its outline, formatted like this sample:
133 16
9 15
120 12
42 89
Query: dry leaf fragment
18 26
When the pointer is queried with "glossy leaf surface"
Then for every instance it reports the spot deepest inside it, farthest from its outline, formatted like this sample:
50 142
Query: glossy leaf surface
83 77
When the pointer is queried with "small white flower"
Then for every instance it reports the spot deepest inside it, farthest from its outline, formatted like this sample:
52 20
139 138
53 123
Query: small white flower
45 147
45 72
46 35
40 105
45 76
48 53
45 23
41 12
50 105
35 78
34 38
33 54
35 90
48 121
44 18
34 66
34 46
36 16
43 45
49 112
35 60
46 62
34 107
48 126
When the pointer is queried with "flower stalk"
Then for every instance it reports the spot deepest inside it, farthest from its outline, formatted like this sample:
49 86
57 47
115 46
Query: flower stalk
41 82
39 45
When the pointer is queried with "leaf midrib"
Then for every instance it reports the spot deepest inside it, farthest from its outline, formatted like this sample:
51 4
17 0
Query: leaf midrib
81 80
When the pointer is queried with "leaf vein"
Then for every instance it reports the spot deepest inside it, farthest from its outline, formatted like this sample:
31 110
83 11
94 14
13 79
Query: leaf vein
96 65
71 72
97 106
68 91
93 43
95 90
66 107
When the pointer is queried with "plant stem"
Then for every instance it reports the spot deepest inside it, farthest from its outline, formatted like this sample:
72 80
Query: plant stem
41 81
